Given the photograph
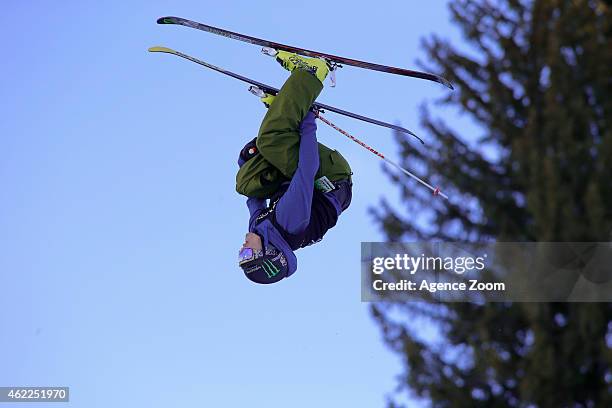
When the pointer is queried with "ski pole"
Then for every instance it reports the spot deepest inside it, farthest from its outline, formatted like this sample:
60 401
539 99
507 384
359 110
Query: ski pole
436 190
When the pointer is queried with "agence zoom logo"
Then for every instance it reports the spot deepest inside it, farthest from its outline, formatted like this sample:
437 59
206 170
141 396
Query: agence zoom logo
412 264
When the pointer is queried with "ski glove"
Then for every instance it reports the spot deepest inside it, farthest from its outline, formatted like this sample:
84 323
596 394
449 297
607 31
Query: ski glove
248 152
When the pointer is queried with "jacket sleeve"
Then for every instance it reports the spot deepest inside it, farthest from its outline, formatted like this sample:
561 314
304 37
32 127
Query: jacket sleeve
293 209
255 205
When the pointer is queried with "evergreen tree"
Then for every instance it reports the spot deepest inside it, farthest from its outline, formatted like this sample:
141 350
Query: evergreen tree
537 79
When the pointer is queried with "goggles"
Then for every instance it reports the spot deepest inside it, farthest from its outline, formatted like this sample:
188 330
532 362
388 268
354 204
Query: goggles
246 255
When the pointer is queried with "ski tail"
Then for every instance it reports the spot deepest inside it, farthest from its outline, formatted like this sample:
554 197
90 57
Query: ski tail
166 50
162 49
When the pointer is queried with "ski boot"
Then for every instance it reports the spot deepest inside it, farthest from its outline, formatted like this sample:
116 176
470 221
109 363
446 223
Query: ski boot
266 98
290 61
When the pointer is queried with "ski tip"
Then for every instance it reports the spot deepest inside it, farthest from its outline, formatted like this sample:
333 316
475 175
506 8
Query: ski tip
165 20
161 49
408 132
418 138
445 82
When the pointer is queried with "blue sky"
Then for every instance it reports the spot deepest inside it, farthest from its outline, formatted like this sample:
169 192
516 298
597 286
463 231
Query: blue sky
119 223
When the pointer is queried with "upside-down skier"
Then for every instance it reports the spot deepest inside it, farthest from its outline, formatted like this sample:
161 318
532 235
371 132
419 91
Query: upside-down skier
308 185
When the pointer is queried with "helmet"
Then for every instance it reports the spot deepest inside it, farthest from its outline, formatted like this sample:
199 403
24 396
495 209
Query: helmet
260 266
